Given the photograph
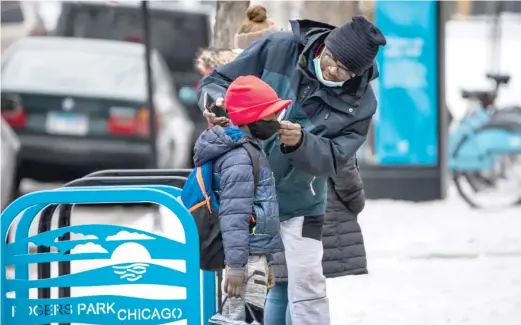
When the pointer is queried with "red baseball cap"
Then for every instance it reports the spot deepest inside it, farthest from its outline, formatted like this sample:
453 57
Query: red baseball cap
249 99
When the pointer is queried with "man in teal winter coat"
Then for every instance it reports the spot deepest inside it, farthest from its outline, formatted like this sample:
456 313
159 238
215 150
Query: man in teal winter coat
326 72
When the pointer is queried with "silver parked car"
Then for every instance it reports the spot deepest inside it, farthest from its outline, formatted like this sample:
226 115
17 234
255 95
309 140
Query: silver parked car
79 105
10 148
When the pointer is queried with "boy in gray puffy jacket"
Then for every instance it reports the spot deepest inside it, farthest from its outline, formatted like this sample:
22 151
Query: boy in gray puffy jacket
249 212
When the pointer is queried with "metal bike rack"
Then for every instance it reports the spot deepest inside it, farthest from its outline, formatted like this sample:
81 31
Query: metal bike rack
140 172
32 203
45 224
131 177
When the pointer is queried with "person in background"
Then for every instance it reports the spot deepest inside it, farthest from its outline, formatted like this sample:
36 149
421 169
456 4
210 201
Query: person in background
207 60
326 71
248 211
210 58
254 27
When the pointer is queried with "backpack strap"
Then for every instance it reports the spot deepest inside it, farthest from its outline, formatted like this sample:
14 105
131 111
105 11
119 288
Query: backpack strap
255 160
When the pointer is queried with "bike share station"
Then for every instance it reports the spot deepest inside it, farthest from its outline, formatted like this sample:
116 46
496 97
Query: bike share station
411 153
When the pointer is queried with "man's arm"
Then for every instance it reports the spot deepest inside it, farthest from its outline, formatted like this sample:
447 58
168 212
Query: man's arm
236 208
323 157
250 62
349 186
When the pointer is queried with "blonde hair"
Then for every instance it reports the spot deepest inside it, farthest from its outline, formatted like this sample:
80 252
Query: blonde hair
256 20
209 59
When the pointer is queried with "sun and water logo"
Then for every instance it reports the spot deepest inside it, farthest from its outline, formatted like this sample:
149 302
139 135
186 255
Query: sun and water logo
131 272
121 267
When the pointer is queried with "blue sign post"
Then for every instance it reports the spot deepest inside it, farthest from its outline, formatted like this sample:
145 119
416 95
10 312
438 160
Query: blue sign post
153 262
408 127
407 120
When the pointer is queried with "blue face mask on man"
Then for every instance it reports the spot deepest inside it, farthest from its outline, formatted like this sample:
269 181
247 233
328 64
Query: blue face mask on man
318 73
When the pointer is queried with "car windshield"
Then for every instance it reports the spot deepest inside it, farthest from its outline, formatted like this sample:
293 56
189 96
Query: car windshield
74 72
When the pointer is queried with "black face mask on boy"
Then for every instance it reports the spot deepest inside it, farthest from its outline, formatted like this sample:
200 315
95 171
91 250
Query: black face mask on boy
263 129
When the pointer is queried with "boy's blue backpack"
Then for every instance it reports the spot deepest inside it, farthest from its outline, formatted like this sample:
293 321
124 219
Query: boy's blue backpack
203 203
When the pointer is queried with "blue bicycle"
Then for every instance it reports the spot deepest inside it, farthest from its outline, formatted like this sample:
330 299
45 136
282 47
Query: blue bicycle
485 150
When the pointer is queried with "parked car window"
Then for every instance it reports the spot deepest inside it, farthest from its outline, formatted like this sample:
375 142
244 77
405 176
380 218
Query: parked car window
72 71
12 12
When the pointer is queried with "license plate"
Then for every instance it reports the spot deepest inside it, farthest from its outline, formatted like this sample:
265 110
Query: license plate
67 123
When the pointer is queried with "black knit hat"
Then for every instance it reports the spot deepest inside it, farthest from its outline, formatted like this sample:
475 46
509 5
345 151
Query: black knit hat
355 44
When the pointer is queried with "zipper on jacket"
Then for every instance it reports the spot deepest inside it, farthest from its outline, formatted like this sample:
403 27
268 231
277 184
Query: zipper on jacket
305 94
311 186
328 113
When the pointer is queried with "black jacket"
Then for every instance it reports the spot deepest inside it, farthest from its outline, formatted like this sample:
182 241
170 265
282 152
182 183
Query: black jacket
344 251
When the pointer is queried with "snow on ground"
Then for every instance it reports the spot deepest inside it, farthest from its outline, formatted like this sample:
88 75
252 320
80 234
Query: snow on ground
481 291
439 229
434 263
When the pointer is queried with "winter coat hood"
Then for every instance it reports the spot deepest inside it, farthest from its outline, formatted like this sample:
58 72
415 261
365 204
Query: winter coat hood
217 141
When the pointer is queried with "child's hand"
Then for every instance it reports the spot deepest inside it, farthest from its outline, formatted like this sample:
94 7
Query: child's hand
234 281
213 119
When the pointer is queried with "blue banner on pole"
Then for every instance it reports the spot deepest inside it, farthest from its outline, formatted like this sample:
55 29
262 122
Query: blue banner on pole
406 124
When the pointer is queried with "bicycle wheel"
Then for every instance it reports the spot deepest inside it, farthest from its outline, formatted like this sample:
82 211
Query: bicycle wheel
499 184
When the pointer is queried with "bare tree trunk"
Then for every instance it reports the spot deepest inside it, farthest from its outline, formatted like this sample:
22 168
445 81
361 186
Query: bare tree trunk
335 13
368 9
228 17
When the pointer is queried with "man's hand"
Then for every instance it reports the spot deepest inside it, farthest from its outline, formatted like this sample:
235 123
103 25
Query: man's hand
290 133
213 119
234 281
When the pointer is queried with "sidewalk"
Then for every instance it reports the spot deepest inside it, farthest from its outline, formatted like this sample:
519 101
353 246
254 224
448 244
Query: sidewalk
482 291
434 264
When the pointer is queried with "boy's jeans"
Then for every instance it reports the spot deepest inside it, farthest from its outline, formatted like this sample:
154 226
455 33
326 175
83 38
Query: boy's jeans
254 292
303 248
276 311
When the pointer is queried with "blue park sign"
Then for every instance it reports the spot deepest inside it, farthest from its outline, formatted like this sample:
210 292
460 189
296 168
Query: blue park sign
128 258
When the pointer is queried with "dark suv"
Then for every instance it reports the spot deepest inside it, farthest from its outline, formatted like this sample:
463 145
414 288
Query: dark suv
177 32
